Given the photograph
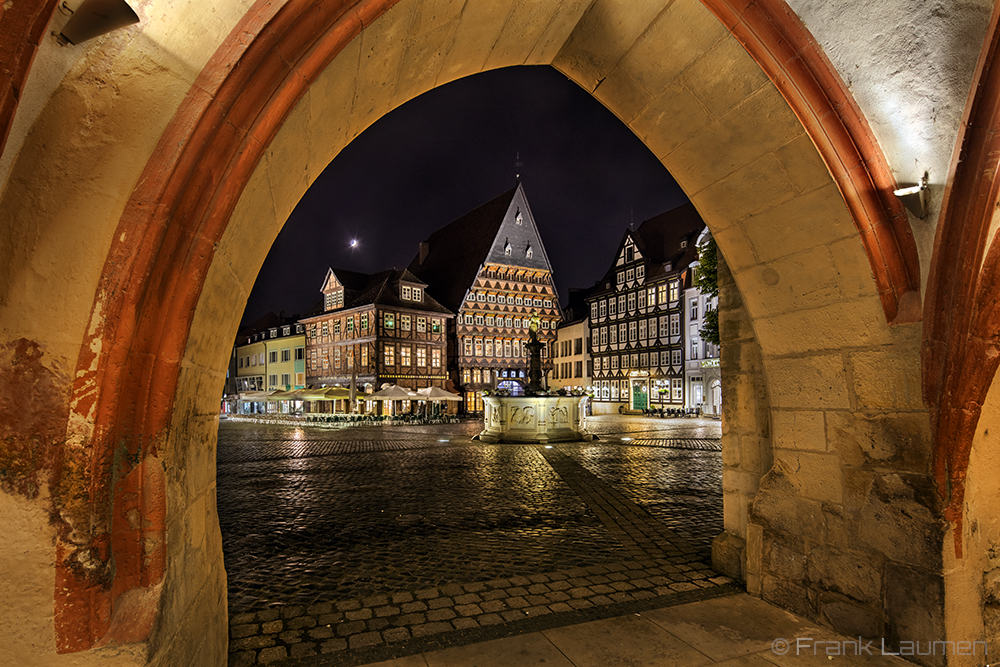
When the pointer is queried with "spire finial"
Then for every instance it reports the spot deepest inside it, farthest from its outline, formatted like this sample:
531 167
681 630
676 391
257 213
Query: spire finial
517 167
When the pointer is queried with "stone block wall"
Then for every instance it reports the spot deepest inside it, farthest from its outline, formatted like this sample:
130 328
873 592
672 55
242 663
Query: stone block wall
746 429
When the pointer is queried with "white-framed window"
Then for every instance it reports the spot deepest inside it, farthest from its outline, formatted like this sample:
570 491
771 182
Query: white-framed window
490 320
418 294
286 354
614 334
404 355
336 327
404 322
642 298
481 296
479 347
604 308
364 321
491 298
694 347
488 343
604 335
675 324
631 331
622 332
507 349
547 303
676 354
469 318
612 306
272 380
631 301
630 275
467 345
389 320
643 360
436 358
538 303
405 292
677 388
642 329
614 362
621 278
421 324
675 290
640 271
664 358
519 301
480 320
595 338
272 356
694 309
389 354
621 304
509 321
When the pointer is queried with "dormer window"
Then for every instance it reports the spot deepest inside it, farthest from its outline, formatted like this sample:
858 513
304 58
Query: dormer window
333 299
418 294
405 292
506 247
684 244
517 218
528 253
286 331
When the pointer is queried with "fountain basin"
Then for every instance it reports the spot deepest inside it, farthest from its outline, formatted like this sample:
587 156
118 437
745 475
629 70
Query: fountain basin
534 419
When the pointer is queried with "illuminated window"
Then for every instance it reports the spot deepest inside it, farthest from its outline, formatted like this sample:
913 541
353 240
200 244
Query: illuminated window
418 294
435 325
436 358
489 347
676 354
614 334
468 347
642 298
421 324
404 355
677 385
479 347
675 290
405 292
364 320
389 321
389 354
404 322
675 325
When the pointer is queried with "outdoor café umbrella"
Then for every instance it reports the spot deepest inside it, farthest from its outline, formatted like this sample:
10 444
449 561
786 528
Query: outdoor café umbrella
437 394
393 393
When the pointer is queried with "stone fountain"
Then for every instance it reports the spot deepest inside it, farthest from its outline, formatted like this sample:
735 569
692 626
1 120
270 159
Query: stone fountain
537 417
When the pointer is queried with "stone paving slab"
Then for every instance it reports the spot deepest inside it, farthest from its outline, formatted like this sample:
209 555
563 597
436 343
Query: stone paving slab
342 547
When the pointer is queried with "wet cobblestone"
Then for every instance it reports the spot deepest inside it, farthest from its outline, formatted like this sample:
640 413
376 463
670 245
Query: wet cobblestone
344 546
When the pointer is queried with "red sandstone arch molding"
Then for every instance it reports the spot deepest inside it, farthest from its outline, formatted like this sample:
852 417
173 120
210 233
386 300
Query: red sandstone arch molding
961 349
164 245
154 273
776 38
22 26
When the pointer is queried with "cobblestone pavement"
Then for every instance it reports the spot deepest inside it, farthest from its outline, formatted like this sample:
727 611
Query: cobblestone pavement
346 546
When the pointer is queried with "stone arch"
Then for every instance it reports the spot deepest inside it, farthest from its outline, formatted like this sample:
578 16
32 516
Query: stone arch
229 168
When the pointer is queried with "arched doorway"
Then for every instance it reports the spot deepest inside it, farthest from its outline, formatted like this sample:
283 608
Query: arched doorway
250 138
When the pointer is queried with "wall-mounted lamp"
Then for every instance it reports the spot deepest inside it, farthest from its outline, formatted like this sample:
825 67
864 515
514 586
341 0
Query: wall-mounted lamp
914 197
94 18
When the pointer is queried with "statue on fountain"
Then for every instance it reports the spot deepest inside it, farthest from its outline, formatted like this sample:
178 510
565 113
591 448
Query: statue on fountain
537 417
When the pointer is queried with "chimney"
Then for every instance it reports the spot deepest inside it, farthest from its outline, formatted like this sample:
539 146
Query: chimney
425 248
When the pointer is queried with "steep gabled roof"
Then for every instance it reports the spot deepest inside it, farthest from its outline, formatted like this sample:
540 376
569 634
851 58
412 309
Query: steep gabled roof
362 289
452 256
658 242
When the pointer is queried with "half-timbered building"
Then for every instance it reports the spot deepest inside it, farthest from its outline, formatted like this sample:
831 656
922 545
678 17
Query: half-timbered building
491 269
636 333
375 329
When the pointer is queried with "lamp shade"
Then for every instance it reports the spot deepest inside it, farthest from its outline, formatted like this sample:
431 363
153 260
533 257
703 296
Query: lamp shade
97 17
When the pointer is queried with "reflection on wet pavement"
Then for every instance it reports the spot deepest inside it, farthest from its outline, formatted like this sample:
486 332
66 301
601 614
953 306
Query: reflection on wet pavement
317 520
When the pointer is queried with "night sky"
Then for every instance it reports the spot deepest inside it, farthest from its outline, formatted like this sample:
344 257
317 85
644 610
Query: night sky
446 152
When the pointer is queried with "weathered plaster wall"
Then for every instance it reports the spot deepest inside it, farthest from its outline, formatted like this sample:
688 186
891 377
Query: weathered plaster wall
909 65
